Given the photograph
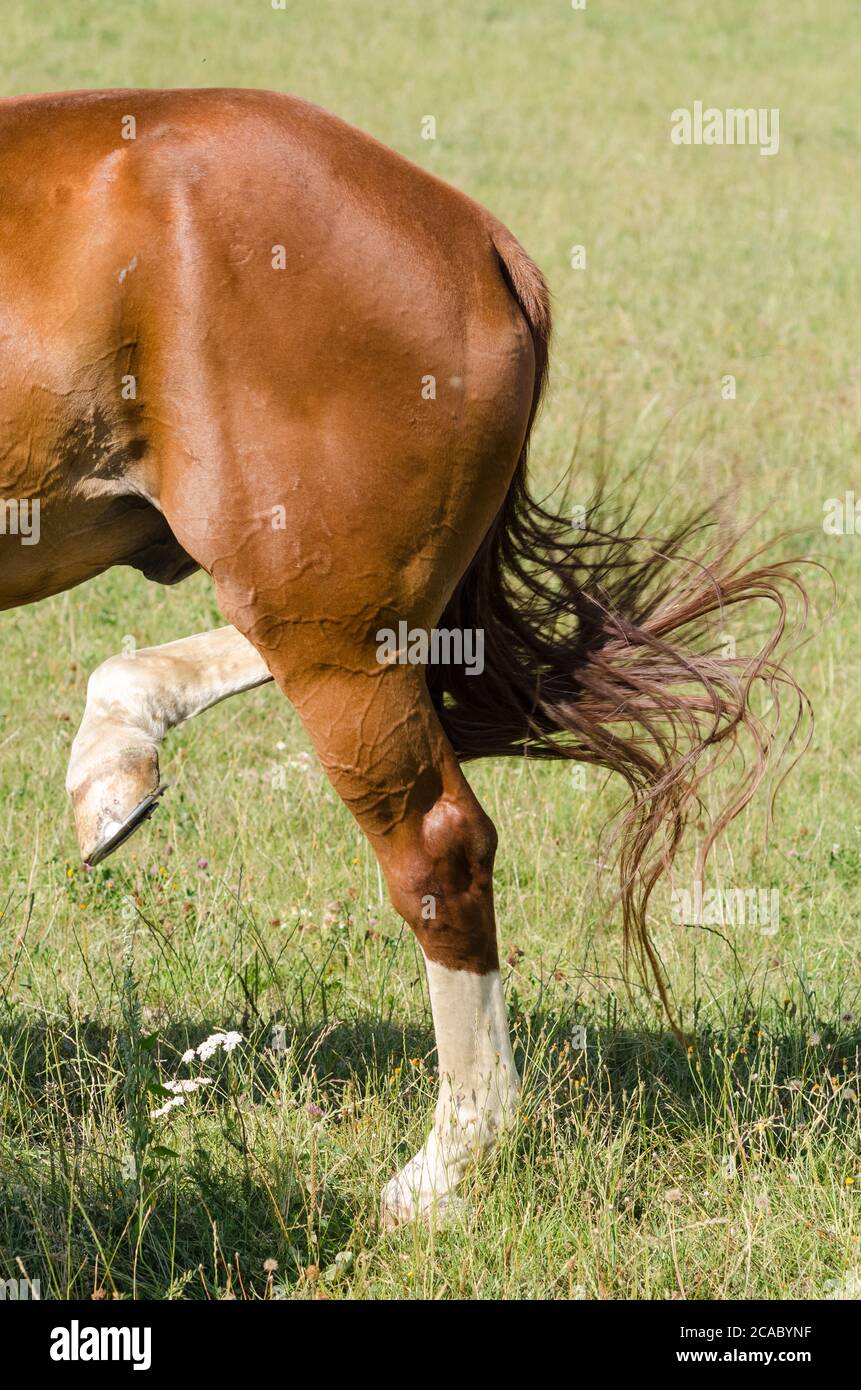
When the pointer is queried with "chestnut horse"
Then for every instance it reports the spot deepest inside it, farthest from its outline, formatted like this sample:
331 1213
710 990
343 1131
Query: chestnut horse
238 335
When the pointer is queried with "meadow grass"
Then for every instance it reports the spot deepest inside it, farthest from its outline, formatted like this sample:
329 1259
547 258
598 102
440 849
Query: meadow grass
639 1168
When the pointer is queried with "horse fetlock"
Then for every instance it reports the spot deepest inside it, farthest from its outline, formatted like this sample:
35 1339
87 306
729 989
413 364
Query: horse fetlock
467 1125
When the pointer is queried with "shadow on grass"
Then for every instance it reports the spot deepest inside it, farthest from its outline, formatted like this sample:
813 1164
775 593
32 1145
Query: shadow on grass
59 1068
80 1223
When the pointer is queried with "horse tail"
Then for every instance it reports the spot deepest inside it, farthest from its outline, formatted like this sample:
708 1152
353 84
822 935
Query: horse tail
602 644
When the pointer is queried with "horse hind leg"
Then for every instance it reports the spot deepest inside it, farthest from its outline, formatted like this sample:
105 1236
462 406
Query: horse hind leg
132 703
378 737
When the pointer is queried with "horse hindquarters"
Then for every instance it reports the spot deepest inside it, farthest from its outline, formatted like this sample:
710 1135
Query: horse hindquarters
346 519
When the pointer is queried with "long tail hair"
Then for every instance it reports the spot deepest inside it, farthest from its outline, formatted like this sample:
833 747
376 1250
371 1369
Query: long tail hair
601 645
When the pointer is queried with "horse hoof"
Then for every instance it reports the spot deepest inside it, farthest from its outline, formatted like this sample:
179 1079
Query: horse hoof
398 1206
114 801
116 835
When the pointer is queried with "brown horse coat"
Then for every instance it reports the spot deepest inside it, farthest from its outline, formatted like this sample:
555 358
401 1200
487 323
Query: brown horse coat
236 333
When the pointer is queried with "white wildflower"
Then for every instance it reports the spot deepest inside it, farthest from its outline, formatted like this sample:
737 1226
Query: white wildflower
210 1045
168 1105
188 1086
190 1055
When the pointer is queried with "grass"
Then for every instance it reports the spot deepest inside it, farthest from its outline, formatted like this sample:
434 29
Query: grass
638 1170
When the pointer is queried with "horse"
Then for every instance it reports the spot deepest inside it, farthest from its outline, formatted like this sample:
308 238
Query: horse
238 335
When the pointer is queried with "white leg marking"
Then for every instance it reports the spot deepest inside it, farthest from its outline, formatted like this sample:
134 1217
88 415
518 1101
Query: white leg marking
478 1090
132 703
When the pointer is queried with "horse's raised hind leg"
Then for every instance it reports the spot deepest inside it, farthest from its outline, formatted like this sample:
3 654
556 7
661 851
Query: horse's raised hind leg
132 703
380 741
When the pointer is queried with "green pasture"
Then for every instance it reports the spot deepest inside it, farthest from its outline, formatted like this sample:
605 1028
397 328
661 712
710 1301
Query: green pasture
639 1168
